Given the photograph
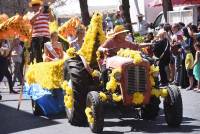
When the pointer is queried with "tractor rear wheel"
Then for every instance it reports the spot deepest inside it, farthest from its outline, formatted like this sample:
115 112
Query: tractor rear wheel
151 110
94 102
173 107
75 71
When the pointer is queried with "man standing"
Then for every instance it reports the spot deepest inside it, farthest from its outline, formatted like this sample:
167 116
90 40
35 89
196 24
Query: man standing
40 24
142 25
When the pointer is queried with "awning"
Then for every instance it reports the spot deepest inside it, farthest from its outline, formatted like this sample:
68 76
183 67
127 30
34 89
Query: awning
156 3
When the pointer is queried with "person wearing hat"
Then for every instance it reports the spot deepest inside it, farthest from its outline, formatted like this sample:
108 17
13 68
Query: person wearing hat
39 19
116 41
112 45
142 25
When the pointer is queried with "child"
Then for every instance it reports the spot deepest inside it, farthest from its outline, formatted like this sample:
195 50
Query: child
196 65
189 61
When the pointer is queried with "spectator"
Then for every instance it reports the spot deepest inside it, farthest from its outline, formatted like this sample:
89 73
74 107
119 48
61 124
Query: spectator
53 50
118 19
4 63
196 65
40 24
142 25
109 23
177 40
189 61
161 49
16 57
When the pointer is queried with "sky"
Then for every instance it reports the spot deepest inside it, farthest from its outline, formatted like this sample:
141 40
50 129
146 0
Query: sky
72 6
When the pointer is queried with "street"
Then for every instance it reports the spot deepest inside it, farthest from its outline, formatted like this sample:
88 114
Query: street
24 122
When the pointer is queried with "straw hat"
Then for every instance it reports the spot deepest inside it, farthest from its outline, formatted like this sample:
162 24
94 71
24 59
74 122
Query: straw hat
33 2
118 30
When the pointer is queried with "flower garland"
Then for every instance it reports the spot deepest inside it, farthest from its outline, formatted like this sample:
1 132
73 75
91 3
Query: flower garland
112 84
154 71
68 99
135 55
138 98
47 74
94 37
88 112
159 92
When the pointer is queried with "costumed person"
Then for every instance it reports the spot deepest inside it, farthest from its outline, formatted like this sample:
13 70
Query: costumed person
77 41
4 64
113 45
16 57
142 25
196 66
53 50
189 61
39 19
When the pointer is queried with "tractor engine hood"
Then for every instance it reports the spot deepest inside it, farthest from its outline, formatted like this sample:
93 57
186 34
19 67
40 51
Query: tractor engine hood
117 61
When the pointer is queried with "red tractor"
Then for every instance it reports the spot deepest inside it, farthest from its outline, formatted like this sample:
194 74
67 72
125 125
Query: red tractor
131 84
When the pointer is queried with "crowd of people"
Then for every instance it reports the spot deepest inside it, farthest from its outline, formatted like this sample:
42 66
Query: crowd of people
176 46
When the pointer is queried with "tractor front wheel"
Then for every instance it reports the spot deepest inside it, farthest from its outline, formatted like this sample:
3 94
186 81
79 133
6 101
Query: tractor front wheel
94 103
173 107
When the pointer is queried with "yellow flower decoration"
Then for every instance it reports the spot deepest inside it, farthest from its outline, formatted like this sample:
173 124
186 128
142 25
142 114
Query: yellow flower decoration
155 92
47 74
103 97
163 92
96 73
138 98
135 55
152 81
116 98
94 37
69 100
112 85
154 70
71 52
88 112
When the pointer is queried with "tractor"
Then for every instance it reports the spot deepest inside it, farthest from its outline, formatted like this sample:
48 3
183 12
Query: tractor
131 84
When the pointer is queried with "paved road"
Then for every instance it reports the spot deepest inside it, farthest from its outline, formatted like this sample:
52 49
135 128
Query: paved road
23 121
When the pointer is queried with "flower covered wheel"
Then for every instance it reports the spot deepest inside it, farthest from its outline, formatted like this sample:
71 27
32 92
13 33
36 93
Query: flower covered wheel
75 72
94 112
173 107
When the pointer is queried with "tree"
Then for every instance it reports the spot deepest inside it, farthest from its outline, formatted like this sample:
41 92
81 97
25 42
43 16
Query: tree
84 12
126 13
167 6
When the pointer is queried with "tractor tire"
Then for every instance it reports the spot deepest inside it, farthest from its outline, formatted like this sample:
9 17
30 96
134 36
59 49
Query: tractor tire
151 110
95 103
75 71
37 111
173 107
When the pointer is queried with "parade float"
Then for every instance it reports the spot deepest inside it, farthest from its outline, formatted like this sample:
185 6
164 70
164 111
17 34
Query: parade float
133 83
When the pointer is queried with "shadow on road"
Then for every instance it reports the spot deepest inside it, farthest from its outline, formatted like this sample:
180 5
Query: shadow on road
15 121
156 126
